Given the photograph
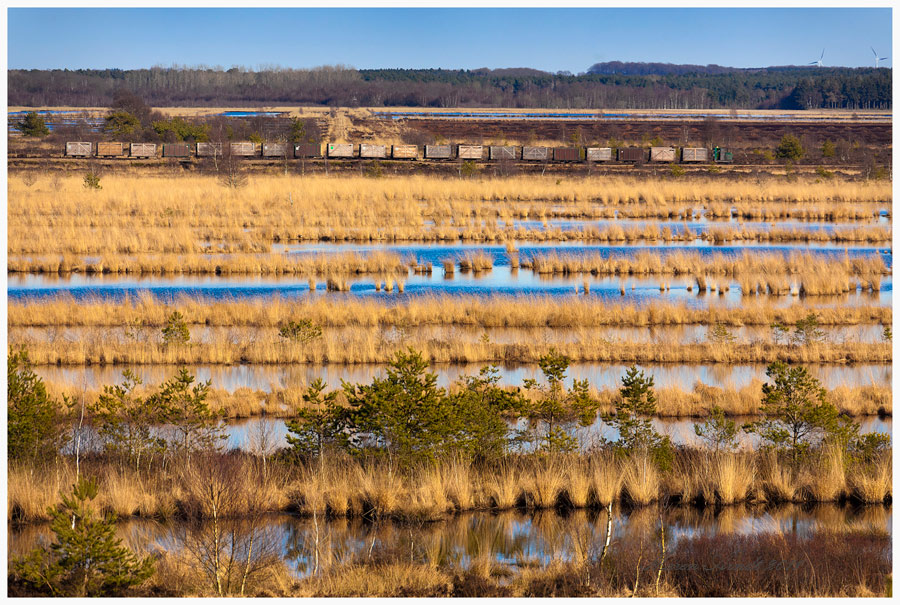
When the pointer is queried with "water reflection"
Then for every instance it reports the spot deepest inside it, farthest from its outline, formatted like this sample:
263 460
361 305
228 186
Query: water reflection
399 336
271 377
508 539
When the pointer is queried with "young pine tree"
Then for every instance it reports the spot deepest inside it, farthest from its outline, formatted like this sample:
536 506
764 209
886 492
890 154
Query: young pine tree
632 420
320 425
33 427
554 408
85 559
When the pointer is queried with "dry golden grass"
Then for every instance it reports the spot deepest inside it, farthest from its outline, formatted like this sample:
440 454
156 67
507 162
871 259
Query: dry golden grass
367 346
488 312
381 580
56 215
343 486
640 480
691 263
828 481
872 483
340 264
731 477
116 244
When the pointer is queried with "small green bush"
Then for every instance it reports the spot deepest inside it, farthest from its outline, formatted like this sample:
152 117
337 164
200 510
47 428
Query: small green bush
176 330
301 331
92 181
32 125
468 169
121 123
789 148
825 174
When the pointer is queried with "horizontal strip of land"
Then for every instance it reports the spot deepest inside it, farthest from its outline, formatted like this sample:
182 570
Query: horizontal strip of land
368 348
497 311
112 241
814 273
347 487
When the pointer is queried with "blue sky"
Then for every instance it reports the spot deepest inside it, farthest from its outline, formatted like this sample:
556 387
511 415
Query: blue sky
467 38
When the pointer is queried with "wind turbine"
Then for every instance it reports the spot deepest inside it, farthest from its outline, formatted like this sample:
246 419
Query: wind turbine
877 58
819 62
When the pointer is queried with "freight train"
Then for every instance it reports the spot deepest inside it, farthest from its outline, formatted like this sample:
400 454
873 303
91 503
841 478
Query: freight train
367 151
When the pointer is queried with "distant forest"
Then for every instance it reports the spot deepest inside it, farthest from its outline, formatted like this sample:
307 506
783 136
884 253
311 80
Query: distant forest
605 85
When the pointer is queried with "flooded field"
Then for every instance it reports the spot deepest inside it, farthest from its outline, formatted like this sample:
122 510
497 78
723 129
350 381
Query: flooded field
505 476
510 540
245 434
681 334
273 376
502 280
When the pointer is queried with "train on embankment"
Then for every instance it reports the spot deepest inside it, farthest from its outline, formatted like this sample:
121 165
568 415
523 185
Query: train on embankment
368 151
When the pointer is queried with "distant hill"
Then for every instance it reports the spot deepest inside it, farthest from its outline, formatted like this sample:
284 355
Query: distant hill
679 69
611 85
656 69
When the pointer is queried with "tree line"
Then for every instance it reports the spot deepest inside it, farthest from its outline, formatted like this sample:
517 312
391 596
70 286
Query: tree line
767 88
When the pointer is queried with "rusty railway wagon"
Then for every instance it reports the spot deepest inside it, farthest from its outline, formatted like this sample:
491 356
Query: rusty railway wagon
307 150
207 150
566 154
438 152
110 150
176 150
632 154
405 152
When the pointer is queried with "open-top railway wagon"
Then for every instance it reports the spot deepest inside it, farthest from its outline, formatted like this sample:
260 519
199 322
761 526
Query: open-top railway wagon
143 150
663 154
307 150
470 152
176 150
536 154
79 149
632 154
106 149
372 151
694 154
405 152
438 152
566 154
208 150
274 150
339 150
598 154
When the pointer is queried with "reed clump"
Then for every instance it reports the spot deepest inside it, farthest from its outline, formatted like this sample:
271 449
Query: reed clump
341 486
495 311
190 216
369 346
